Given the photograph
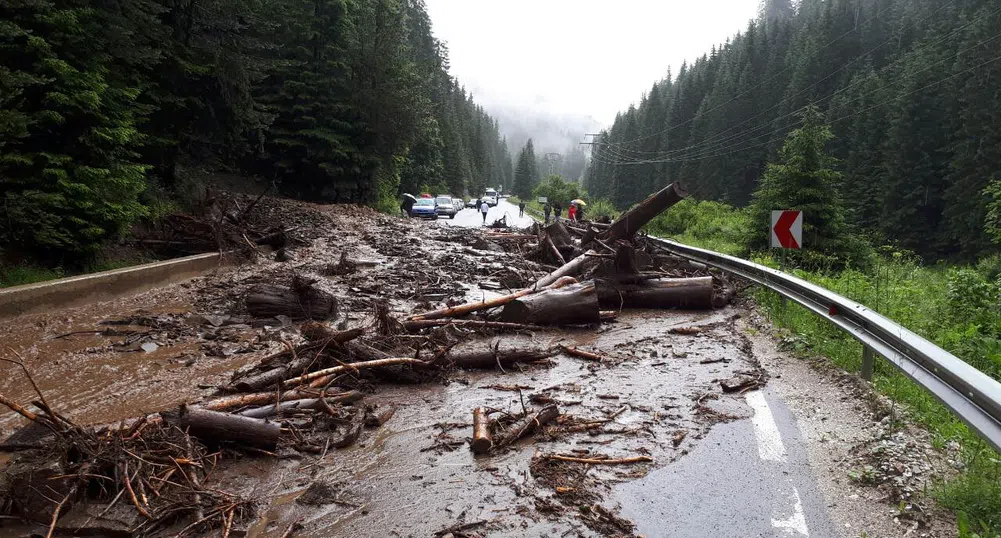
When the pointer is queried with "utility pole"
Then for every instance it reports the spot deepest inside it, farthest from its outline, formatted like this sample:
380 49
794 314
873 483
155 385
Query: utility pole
552 159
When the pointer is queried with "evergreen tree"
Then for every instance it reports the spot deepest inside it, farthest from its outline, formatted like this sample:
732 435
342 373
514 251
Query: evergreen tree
70 173
526 174
804 179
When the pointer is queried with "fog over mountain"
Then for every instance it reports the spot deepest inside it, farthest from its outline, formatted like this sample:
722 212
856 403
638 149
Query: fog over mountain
550 131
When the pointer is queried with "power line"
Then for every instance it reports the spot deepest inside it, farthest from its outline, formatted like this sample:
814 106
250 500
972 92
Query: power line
831 121
783 70
713 139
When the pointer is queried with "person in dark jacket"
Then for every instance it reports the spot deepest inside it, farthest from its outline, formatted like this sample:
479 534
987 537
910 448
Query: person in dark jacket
521 209
407 205
547 209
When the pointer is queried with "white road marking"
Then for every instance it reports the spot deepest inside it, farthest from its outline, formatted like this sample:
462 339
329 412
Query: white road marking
796 523
770 445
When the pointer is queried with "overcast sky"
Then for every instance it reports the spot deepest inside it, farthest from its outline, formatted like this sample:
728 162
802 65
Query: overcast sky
590 57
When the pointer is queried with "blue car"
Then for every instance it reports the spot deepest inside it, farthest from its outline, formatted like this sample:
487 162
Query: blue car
424 208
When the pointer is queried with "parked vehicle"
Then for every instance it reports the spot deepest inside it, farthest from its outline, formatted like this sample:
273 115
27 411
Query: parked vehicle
424 208
444 206
473 203
458 204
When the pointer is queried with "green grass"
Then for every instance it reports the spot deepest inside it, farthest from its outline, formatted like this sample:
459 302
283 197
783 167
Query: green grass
955 307
18 275
11 275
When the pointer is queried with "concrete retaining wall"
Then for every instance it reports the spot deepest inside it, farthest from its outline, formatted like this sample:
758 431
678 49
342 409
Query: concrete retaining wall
106 285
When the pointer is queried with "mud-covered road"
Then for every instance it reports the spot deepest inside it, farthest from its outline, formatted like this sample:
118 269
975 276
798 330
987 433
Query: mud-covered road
770 462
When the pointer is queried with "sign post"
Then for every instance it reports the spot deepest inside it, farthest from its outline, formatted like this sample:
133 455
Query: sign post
786 233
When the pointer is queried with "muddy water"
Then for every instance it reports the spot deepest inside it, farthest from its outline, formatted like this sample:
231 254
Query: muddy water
396 482
415 475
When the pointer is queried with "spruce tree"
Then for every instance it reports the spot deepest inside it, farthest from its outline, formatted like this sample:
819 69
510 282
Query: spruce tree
71 174
804 179
526 175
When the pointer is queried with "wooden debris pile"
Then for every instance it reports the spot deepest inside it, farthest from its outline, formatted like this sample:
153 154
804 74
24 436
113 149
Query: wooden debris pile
597 269
229 222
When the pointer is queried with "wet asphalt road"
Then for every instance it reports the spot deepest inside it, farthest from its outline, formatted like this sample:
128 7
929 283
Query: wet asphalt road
472 218
750 477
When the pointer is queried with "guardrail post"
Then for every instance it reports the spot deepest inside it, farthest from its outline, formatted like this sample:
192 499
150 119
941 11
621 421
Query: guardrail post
868 362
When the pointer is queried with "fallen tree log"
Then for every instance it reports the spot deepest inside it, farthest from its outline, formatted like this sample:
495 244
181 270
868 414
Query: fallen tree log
529 424
688 293
571 305
558 234
557 257
631 221
469 324
321 332
489 358
216 427
513 237
305 403
301 301
568 269
482 441
244 400
461 310
353 367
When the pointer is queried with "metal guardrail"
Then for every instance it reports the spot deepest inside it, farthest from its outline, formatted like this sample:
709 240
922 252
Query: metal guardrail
972 395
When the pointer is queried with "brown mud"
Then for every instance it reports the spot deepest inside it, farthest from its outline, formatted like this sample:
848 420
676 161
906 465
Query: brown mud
414 475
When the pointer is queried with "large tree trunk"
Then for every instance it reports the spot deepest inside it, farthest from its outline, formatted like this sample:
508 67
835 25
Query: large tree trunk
491 358
558 233
301 301
631 221
571 268
688 293
461 310
571 305
213 426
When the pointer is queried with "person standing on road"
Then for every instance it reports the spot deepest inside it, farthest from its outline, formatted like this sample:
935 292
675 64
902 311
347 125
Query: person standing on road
521 209
407 205
547 209
572 213
558 210
483 209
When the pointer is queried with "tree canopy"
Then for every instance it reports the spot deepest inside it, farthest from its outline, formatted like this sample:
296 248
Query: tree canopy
338 100
908 87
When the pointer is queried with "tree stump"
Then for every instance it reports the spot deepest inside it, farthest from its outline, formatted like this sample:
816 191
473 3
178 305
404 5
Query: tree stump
571 305
301 301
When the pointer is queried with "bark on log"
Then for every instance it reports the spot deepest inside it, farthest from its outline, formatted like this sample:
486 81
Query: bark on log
631 221
551 247
470 324
490 358
213 426
305 403
528 425
568 269
571 305
482 441
244 400
464 309
301 301
320 332
352 368
558 234
688 293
